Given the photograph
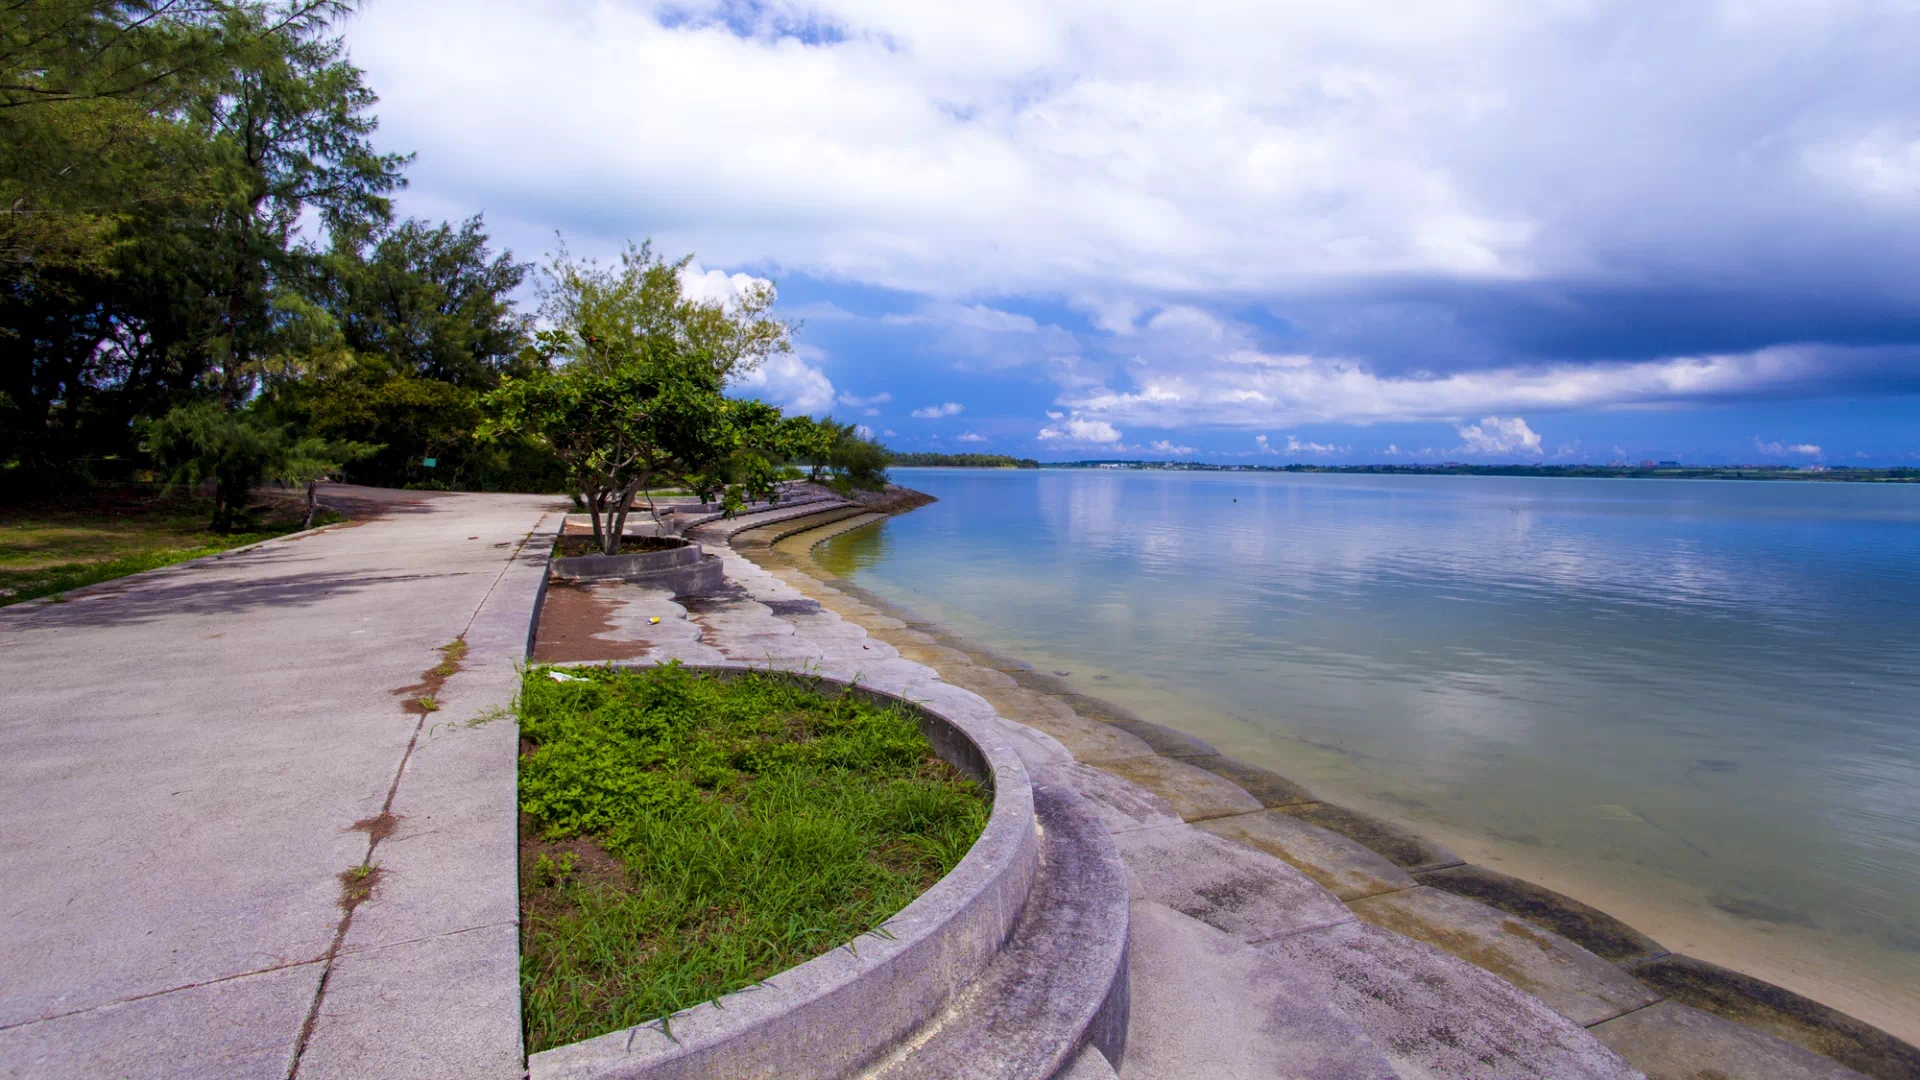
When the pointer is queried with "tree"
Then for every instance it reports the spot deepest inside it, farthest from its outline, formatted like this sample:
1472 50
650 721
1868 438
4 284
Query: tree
93 95
602 314
659 417
237 450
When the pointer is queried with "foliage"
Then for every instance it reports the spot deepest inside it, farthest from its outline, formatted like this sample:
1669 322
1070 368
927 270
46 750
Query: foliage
843 456
196 443
159 160
653 421
633 397
602 315
751 824
971 461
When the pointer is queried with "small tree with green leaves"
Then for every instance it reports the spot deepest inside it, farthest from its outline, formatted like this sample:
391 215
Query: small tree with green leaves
657 418
193 444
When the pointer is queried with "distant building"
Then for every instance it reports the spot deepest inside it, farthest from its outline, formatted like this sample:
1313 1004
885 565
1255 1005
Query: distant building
1669 464
1647 464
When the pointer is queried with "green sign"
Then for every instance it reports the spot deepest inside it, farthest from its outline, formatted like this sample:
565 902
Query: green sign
430 462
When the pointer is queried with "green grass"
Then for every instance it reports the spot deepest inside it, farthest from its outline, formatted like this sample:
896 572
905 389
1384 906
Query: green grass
684 837
50 549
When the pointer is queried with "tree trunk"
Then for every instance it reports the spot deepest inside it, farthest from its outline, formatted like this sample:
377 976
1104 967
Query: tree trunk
308 523
594 498
619 529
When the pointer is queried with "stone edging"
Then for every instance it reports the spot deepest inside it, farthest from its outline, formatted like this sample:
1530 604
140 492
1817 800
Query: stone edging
838 1013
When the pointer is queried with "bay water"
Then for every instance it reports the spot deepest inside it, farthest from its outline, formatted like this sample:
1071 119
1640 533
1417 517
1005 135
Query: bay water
1693 704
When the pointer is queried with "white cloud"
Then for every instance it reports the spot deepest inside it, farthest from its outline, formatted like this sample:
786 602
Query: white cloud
1076 431
787 380
971 437
1786 449
717 286
935 412
1174 394
1053 414
863 431
889 431
1295 447
1500 435
1392 450
1137 147
1165 446
856 402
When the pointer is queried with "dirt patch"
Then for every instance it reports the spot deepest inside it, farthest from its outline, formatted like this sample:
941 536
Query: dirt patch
576 861
573 619
378 827
423 697
573 545
358 884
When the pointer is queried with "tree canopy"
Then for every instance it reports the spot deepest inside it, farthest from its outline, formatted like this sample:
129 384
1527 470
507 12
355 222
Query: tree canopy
202 279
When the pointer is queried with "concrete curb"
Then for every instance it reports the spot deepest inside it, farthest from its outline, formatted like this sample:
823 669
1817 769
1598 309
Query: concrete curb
838 1013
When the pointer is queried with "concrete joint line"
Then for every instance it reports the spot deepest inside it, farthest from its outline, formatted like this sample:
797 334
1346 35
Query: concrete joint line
1629 1012
1300 930
373 841
161 993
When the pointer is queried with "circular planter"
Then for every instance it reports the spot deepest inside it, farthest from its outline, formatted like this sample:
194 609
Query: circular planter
837 1013
684 569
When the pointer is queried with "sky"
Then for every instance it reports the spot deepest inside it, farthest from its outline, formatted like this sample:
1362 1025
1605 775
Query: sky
1556 231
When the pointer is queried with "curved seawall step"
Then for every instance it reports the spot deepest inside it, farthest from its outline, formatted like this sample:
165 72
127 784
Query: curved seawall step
1059 988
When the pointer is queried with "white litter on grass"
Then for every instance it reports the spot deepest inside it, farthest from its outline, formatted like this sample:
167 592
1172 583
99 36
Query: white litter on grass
561 676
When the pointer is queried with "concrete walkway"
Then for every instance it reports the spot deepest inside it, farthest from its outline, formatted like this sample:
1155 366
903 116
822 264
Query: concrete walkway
195 758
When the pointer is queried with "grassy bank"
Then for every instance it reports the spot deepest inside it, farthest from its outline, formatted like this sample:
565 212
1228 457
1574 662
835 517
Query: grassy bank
684 837
50 548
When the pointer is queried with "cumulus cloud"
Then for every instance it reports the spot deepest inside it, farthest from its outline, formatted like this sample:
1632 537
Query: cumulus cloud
717 286
1500 435
971 437
789 381
935 412
863 431
1166 446
1786 449
876 399
1390 191
1076 431
1295 447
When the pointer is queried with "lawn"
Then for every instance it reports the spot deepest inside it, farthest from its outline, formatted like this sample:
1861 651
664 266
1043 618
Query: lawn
685 836
49 548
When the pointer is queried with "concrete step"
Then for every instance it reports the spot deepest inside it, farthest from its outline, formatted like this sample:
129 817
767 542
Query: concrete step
1206 1004
770 533
1059 987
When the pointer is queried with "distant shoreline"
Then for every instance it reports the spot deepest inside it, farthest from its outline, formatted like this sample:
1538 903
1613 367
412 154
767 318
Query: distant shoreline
1826 474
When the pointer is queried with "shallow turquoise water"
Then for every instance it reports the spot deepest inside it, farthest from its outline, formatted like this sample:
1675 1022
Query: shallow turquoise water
1707 687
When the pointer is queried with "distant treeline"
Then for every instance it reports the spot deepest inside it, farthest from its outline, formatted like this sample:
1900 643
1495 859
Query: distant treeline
970 461
1663 472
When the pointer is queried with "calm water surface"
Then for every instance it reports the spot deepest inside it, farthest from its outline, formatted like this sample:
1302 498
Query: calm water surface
1708 692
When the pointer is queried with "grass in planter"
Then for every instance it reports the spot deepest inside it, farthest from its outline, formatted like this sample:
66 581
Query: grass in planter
683 837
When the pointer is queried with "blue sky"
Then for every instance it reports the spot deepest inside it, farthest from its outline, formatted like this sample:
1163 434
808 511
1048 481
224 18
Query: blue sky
1476 230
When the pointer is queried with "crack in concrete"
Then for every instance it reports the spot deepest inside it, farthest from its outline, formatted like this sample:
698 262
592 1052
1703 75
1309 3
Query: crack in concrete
161 993
376 835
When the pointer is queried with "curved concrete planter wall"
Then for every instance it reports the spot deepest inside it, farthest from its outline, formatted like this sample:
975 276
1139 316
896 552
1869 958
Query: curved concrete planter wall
838 1014
686 570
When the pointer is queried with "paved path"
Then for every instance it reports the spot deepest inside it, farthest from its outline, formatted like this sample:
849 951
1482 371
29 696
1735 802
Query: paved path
187 755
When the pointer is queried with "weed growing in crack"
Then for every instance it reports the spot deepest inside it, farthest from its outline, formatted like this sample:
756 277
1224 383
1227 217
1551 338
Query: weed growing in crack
684 837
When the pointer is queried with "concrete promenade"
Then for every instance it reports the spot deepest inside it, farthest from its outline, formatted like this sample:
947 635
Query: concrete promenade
196 759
